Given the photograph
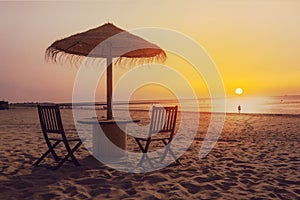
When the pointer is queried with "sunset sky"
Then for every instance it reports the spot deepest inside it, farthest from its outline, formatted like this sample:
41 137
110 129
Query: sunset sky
254 44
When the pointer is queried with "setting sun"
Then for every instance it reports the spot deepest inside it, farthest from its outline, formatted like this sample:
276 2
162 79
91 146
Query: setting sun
239 91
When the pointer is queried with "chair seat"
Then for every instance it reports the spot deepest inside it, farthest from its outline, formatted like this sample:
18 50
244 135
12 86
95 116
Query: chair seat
69 140
154 139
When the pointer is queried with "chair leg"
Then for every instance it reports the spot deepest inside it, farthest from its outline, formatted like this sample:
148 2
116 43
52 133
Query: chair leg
144 150
145 156
70 154
75 161
171 152
56 158
140 145
50 149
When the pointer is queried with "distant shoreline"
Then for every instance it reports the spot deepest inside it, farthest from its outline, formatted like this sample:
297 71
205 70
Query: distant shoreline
28 106
149 101
285 105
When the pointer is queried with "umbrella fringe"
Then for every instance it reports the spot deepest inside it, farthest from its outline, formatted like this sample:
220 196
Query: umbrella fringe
57 56
126 62
54 55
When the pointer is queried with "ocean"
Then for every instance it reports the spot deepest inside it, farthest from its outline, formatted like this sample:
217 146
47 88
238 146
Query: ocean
260 105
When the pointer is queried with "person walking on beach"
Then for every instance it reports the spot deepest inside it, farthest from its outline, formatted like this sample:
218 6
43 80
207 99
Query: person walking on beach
239 109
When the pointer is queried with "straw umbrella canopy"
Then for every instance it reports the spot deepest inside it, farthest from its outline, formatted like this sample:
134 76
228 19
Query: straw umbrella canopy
114 43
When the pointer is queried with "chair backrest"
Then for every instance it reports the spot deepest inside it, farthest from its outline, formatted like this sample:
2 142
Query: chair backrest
50 118
163 119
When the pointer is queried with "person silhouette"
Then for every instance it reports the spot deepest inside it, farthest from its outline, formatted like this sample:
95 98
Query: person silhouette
239 109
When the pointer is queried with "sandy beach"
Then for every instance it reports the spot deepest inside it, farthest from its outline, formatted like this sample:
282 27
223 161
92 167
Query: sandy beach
256 157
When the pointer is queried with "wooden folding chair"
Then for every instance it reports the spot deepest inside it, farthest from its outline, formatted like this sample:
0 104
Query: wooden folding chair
54 134
163 121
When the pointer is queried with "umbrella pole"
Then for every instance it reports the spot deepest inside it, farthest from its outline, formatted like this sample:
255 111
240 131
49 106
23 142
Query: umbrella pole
109 78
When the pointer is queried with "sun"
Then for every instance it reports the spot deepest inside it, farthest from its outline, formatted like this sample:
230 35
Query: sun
239 91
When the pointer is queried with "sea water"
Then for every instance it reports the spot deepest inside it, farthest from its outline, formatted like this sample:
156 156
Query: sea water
262 105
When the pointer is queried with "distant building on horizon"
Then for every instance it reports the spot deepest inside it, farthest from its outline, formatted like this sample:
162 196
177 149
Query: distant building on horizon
3 105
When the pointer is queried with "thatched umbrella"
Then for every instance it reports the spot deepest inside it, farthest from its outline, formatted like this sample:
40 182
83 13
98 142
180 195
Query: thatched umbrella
106 41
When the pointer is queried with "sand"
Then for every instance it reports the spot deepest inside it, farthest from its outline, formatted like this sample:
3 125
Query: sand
257 157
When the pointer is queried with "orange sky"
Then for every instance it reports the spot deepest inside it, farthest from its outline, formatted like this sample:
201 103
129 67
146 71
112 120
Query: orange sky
255 44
